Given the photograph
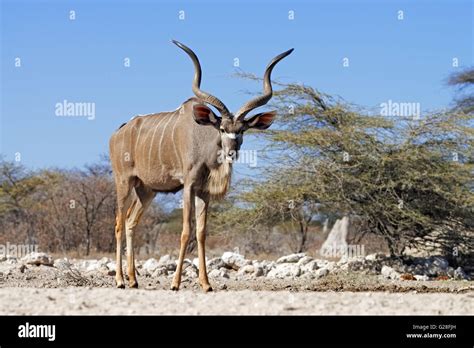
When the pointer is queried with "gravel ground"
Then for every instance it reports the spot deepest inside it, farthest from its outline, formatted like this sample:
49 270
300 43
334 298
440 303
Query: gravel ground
88 287
20 301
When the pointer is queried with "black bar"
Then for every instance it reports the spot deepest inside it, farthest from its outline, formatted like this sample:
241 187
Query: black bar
243 330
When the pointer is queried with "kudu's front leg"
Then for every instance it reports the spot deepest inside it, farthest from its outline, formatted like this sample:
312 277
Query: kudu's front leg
201 206
188 202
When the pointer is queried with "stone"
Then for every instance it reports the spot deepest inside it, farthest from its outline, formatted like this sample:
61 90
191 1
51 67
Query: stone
247 269
196 262
104 261
38 259
440 262
171 267
311 266
375 257
112 265
459 274
234 260
304 260
62 264
186 263
421 277
191 272
151 265
293 258
93 265
165 259
219 273
259 271
215 263
390 273
160 271
284 270
322 272
330 265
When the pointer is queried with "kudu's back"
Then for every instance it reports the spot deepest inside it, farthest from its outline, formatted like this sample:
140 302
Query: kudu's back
150 148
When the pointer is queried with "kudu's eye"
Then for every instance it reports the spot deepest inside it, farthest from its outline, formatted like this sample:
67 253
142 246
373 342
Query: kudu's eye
222 130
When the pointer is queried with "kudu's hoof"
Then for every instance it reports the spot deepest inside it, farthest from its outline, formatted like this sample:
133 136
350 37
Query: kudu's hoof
120 286
207 289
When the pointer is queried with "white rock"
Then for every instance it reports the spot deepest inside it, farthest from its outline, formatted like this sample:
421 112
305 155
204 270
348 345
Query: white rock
322 272
219 273
93 265
234 260
293 258
186 263
459 274
311 266
111 265
308 275
330 265
165 259
38 259
390 273
304 260
196 262
247 269
285 270
190 272
151 265
374 257
104 261
62 263
215 263
421 277
160 271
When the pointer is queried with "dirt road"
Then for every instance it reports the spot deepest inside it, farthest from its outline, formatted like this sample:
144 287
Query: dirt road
115 301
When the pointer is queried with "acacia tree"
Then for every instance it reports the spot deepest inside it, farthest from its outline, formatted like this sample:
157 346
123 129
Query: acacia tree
403 177
464 81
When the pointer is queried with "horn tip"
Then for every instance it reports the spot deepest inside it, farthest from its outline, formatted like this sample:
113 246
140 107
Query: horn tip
177 43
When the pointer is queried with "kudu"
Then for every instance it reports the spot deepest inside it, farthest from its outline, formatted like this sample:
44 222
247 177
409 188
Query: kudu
191 149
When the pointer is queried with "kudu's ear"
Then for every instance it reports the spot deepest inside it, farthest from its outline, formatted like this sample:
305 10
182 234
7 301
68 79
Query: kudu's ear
204 115
262 120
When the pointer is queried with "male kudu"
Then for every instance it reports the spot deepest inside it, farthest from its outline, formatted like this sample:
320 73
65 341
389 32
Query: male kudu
191 149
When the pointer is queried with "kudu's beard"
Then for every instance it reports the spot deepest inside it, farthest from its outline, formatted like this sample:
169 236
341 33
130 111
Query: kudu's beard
219 179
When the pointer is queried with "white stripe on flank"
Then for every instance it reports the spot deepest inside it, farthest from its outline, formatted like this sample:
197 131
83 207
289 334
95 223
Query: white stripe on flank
156 124
174 144
139 133
163 133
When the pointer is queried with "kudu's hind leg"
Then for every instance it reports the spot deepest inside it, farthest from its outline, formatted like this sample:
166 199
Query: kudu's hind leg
188 204
123 201
140 203
201 206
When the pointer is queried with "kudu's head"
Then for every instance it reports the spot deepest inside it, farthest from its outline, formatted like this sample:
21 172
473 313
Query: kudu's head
232 126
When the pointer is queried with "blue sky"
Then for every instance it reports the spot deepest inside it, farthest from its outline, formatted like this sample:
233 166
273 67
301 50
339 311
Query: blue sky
83 60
